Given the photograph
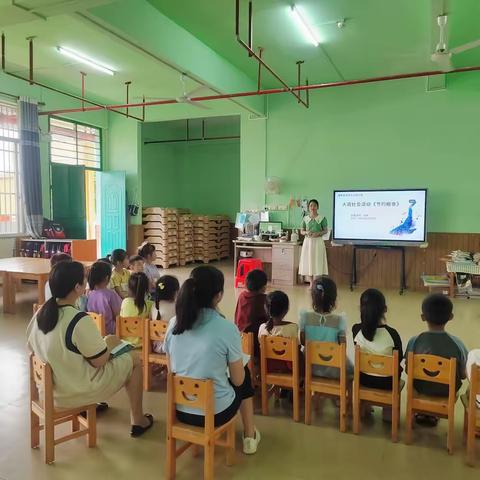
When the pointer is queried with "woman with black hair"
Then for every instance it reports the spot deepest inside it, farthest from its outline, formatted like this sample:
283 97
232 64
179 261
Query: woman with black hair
313 259
202 344
83 370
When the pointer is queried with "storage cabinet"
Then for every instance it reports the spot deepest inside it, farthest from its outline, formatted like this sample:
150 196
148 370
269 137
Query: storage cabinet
81 250
285 261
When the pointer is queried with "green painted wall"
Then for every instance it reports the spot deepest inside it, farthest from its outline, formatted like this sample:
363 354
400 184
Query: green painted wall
201 176
253 140
389 135
124 153
159 178
204 178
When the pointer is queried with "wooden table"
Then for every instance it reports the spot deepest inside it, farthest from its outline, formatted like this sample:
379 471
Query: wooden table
24 268
468 268
282 259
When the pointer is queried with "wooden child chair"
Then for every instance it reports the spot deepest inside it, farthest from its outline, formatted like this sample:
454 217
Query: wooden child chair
471 419
286 350
248 349
384 365
99 322
42 408
199 394
431 368
330 355
129 327
154 331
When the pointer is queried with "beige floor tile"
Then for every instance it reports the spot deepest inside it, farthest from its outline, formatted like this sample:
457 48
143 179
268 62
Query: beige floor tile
287 450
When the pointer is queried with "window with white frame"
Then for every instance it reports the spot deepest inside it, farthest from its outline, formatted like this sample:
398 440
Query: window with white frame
73 143
10 201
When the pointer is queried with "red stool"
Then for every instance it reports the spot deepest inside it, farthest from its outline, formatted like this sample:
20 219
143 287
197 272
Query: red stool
244 266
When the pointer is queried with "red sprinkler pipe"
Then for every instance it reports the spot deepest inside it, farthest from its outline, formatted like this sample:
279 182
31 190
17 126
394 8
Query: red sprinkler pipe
272 91
31 81
251 52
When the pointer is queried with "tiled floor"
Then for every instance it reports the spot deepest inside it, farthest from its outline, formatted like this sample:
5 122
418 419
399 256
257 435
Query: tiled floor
287 451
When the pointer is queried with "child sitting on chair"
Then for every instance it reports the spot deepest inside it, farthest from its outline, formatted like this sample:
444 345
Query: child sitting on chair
250 311
437 311
137 264
136 304
148 252
164 308
120 272
54 260
374 336
277 308
101 299
321 324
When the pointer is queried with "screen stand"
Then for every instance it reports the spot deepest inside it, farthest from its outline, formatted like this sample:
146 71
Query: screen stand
353 277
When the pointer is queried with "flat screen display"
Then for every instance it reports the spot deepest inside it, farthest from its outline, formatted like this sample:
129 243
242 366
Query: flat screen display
380 216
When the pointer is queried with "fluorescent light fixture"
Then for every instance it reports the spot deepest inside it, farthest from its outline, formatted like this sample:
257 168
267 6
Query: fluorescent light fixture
87 61
305 27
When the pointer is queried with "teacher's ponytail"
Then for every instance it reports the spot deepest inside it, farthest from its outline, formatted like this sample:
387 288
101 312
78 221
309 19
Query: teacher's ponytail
197 292
64 277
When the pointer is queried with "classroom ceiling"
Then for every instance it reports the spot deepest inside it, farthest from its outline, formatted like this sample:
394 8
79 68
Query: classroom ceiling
148 76
380 37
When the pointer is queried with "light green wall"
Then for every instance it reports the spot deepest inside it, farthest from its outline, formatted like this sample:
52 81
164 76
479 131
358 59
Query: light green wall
160 179
388 135
201 176
253 153
124 153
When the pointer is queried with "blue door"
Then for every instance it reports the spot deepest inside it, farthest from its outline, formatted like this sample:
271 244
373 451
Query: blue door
111 200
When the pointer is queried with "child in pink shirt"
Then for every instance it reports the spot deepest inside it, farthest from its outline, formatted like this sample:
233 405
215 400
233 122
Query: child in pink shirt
101 299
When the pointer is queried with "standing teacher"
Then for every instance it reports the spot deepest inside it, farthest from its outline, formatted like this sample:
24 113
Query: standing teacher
313 259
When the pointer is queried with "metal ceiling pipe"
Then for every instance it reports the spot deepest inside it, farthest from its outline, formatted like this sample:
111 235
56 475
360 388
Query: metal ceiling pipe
251 52
96 106
30 60
187 140
272 91
31 81
3 51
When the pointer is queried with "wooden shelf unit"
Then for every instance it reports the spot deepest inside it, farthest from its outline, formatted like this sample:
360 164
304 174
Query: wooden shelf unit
81 250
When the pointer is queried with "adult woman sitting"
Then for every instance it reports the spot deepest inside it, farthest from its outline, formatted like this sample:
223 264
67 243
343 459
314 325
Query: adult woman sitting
202 344
67 339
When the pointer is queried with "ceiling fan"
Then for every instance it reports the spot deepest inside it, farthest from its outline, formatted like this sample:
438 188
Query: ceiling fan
442 55
185 97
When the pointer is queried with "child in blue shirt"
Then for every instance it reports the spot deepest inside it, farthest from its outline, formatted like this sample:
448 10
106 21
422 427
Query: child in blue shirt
321 324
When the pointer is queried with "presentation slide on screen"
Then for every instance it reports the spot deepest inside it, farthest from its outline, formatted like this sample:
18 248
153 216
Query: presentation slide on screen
380 215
